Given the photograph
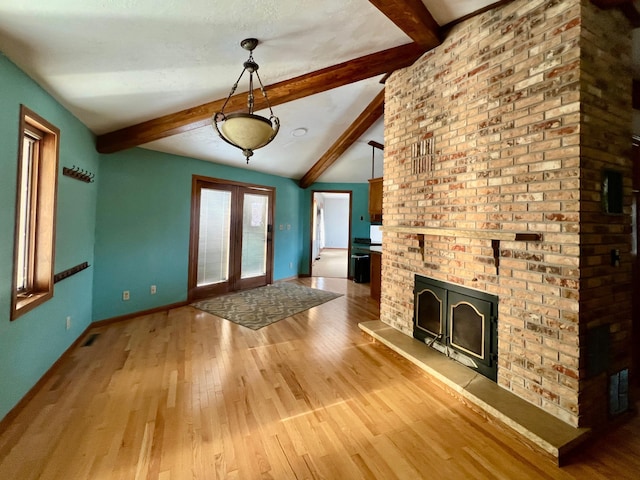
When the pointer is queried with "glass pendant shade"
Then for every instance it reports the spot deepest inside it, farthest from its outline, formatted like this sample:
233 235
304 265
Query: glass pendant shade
247 131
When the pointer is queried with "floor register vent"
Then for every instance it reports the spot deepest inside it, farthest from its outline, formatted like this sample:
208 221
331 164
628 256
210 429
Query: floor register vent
619 392
89 341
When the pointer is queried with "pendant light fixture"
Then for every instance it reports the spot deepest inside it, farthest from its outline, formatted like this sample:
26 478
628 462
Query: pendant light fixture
247 131
374 145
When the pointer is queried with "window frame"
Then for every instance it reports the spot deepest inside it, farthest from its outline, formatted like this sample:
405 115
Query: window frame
41 215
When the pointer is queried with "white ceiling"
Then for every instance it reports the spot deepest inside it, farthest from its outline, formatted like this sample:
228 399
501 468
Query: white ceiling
114 63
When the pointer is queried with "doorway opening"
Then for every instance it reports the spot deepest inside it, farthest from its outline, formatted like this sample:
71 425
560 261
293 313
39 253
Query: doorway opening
231 244
330 234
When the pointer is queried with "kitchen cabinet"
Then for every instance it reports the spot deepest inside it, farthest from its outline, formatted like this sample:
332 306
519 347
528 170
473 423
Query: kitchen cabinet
375 199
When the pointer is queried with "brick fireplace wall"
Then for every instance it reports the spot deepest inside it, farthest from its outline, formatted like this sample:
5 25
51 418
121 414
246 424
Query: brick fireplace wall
506 128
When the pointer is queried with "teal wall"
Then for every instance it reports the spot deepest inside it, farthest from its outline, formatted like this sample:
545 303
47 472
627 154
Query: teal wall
359 214
33 342
131 225
142 230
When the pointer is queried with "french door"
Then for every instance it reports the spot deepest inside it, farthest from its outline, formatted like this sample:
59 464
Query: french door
231 244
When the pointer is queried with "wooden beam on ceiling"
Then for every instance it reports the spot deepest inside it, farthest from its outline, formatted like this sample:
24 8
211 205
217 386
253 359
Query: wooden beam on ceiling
322 80
413 18
358 128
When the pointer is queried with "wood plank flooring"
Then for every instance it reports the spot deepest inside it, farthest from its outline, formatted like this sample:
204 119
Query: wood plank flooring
183 394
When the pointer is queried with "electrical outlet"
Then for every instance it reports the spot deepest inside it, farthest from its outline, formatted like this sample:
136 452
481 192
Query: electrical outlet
68 323
125 295
290 265
153 290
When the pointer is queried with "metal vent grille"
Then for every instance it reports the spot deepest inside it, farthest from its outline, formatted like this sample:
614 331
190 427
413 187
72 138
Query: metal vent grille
90 339
619 392
422 153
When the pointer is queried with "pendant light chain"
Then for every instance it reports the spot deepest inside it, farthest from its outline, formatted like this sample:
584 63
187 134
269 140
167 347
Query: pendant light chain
233 90
264 94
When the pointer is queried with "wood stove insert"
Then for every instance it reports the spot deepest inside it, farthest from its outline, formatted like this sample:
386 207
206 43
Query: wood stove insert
458 322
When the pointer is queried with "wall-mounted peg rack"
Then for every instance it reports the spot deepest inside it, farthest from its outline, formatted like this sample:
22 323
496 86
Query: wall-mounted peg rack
78 174
70 271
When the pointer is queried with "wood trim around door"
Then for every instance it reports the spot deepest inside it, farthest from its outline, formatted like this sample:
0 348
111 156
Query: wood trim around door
196 182
349 240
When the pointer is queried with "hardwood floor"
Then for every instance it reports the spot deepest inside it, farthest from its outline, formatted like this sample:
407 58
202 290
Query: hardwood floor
184 394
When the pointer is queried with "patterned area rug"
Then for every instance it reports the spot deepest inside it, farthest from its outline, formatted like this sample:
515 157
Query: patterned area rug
259 307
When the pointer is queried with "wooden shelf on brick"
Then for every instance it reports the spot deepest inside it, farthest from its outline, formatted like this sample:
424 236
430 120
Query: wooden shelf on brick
457 232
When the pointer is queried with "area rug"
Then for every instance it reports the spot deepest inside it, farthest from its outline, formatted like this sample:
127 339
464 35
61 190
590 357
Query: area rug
262 306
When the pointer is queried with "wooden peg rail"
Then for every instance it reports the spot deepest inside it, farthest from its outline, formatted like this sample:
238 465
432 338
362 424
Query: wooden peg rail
71 271
78 174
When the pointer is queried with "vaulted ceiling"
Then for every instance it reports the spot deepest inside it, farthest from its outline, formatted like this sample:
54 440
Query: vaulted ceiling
150 74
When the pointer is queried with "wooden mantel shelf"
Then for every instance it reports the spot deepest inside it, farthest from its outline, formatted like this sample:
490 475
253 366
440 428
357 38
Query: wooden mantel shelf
459 232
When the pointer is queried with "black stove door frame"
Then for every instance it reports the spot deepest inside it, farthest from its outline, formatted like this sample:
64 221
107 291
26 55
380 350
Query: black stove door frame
451 294
422 295
486 307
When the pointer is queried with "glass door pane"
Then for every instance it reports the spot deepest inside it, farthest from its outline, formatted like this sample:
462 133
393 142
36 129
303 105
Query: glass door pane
213 242
254 235
231 246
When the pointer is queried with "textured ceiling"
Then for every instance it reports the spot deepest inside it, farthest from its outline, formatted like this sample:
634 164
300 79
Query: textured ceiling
114 63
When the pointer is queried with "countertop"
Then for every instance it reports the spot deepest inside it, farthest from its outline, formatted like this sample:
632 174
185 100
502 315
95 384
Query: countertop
364 248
